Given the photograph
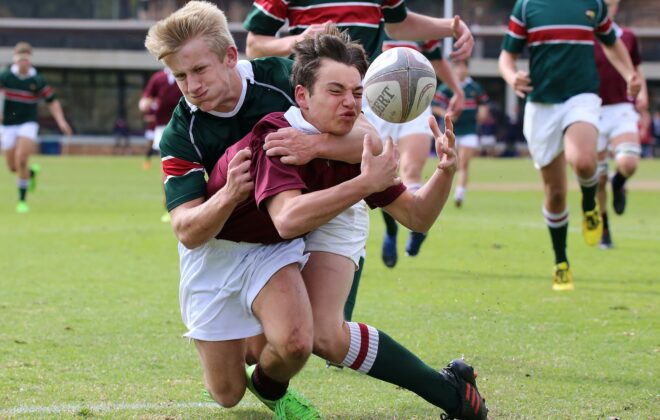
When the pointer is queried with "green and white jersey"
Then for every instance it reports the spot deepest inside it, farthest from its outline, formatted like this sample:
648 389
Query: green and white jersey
432 50
22 95
194 140
364 20
474 97
560 38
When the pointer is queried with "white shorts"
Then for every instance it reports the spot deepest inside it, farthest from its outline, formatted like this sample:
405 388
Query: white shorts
487 140
544 124
419 125
468 140
220 280
149 134
615 120
345 235
158 134
9 133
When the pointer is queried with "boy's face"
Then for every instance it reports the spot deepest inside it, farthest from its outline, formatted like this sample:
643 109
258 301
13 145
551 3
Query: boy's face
336 99
460 70
203 77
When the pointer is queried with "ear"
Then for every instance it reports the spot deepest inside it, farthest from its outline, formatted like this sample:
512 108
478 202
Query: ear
302 97
231 56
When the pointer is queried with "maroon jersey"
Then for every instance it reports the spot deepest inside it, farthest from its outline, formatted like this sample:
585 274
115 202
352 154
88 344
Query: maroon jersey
163 88
612 86
250 221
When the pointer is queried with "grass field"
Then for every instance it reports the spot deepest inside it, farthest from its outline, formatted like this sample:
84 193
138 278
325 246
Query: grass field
89 321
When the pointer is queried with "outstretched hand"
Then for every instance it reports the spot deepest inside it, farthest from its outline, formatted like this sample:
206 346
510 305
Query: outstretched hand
239 183
464 40
379 171
445 145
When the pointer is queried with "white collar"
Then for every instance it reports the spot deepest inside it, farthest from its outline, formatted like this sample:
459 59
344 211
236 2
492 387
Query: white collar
294 116
31 72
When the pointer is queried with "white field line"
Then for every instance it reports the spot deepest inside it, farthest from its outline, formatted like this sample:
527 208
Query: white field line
109 407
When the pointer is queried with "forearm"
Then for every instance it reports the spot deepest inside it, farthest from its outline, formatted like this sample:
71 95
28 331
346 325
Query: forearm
197 221
55 109
619 57
419 211
444 73
265 45
303 213
507 67
145 104
642 103
418 27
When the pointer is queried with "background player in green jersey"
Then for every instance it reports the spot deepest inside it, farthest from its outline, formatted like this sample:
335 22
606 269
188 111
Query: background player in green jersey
465 126
562 110
24 88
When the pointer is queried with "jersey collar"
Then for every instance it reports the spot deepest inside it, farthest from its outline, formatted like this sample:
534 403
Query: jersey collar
31 72
294 116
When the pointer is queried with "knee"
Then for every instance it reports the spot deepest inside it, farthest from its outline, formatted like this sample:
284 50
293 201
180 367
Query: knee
226 394
299 346
627 165
585 167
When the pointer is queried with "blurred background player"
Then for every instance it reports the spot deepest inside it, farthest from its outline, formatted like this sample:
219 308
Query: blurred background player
149 118
562 109
474 112
161 96
23 89
267 17
618 127
413 140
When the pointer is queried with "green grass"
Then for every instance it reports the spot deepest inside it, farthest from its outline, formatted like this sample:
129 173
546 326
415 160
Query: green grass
90 325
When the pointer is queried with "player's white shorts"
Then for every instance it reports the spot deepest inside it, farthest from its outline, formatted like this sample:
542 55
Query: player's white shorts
149 134
488 140
220 280
468 140
419 125
9 133
158 134
615 120
345 235
544 124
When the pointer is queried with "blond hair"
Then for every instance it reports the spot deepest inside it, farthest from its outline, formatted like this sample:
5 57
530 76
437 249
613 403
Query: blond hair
23 48
195 19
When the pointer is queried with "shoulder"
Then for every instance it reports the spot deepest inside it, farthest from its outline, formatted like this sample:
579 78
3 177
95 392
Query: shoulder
268 68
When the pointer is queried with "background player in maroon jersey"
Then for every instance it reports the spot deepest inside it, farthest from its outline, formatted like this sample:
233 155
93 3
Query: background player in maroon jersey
618 127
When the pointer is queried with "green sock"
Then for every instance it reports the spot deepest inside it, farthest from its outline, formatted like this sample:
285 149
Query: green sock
375 353
352 295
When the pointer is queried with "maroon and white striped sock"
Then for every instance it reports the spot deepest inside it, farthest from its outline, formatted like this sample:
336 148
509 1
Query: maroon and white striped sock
363 347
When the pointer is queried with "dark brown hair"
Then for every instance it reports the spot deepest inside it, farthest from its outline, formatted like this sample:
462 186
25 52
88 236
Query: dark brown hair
332 44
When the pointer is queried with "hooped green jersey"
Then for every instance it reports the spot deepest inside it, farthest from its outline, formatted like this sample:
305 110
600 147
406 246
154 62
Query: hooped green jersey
560 38
365 20
194 140
474 97
22 95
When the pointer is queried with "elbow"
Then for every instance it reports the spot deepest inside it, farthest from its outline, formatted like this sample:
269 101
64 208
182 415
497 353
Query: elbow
285 228
188 241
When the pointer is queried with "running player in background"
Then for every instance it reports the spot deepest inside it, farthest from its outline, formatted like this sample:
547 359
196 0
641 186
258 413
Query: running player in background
618 127
149 118
24 88
161 96
562 109
465 126
413 142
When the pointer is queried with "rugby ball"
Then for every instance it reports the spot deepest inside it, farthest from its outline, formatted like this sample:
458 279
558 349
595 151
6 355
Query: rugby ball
399 84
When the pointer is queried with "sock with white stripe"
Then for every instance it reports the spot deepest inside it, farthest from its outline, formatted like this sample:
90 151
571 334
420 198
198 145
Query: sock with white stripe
22 185
558 227
589 187
375 353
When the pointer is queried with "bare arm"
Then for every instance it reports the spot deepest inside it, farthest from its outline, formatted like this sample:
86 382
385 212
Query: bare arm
56 111
642 100
270 45
296 148
518 80
146 104
418 27
447 76
197 221
419 211
295 214
619 57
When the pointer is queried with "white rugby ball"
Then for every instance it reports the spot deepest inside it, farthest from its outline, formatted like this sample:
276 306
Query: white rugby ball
399 84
